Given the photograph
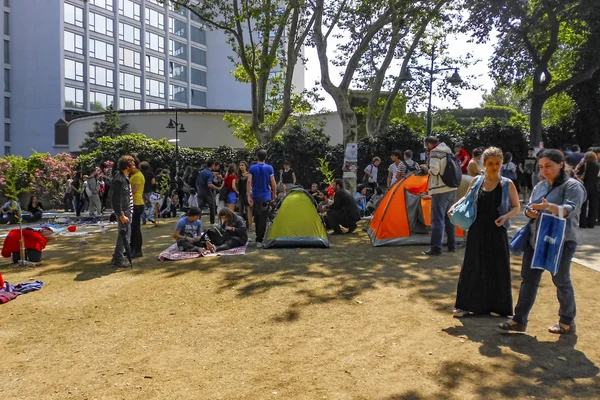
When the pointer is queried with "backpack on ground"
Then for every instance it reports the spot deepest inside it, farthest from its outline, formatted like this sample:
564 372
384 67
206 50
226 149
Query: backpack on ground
452 175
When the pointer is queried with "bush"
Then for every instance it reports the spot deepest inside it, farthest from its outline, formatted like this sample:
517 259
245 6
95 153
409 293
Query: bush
508 137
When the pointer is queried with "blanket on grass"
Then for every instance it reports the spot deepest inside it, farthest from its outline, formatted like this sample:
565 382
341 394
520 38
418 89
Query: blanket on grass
10 292
173 253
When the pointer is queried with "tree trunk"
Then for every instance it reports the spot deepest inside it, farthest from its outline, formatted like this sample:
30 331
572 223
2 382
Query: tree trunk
535 120
350 131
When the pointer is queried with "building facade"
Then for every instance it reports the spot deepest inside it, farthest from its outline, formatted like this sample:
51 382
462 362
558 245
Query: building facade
64 58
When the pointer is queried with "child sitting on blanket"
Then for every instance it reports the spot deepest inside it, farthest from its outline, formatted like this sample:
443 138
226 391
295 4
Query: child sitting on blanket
232 233
188 231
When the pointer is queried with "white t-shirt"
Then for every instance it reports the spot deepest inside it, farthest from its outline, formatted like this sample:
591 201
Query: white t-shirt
373 171
393 168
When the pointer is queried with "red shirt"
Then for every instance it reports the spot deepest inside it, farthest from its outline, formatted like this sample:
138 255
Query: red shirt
33 240
463 158
229 181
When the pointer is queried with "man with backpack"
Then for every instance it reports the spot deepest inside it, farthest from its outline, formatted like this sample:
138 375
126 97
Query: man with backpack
445 176
407 165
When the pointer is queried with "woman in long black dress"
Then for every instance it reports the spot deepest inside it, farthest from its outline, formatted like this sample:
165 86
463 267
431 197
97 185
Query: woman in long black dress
484 284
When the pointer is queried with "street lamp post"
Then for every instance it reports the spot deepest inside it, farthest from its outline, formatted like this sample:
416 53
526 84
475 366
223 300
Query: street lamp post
455 80
178 129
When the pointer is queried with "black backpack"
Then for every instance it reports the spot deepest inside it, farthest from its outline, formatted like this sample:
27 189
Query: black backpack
410 167
452 175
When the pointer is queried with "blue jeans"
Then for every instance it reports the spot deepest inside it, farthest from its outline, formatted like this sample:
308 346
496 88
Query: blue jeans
440 222
530 282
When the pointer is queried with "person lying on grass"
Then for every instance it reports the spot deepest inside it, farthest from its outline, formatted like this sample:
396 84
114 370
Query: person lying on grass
188 231
232 232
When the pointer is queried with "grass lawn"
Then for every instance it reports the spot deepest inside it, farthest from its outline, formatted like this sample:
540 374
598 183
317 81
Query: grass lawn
350 322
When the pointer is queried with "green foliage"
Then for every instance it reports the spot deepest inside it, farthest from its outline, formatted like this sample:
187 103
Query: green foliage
15 177
110 127
494 133
328 174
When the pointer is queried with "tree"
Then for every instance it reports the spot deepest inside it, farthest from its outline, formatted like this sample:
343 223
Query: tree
506 97
110 127
538 44
267 37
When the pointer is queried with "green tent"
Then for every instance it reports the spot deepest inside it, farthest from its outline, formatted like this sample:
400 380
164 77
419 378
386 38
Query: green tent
297 223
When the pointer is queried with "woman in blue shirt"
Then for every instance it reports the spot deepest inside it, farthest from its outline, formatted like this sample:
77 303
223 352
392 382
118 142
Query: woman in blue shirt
361 199
557 190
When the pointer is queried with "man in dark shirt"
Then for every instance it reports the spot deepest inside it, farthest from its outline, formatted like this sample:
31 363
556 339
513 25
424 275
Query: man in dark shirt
122 204
343 211
204 187
575 157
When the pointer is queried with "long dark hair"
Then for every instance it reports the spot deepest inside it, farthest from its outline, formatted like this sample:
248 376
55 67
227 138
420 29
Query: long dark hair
558 157
227 213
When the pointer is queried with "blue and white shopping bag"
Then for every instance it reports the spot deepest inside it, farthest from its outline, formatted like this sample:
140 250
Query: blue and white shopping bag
549 242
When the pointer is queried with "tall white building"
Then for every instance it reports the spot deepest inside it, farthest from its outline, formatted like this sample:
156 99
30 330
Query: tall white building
63 58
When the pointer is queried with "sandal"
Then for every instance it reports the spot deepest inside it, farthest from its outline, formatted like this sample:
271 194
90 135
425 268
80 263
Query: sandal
514 326
458 313
558 329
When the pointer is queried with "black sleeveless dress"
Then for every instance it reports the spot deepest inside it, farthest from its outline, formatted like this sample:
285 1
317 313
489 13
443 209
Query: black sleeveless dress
484 283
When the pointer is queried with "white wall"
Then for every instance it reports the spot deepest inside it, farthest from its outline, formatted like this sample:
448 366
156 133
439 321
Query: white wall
332 126
204 129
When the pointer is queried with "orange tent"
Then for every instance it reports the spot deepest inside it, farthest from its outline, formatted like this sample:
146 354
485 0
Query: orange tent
403 216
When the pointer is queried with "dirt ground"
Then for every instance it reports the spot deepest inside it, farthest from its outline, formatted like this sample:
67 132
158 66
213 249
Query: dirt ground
350 322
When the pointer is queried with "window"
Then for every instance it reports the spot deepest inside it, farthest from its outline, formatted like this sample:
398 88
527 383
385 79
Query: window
6 23
129 104
6 80
129 9
176 9
6 150
129 58
7 107
101 50
73 15
101 24
155 88
198 98
7 132
155 65
177 93
154 106
73 97
198 56
6 3
131 83
195 18
6 52
73 70
178 72
177 49
198 35
177 27
73 42
155 42
61 133
101 76
129 33
155 19
106 4
198 77
99 101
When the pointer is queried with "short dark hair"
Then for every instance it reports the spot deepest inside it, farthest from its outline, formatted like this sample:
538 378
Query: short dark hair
575 148
192 191
531 149
124 162
286 162
408 153
431 140
359 188
137 162
397 153
209 163
194 212
261 155
339 182
477 152
325 193
145 166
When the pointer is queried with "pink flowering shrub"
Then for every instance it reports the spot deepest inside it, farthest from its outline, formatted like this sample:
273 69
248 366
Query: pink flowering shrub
49 175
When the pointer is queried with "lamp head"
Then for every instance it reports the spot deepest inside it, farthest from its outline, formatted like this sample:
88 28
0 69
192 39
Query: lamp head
182 129
455 79
171 124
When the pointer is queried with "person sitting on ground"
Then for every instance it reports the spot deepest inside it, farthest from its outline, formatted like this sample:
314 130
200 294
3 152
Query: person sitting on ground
281 193
35 208
188 231
314 191
324 202
233 229
344 211
361 199
11 210
374 200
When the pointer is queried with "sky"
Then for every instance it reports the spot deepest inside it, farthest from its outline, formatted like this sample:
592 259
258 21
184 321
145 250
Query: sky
457 46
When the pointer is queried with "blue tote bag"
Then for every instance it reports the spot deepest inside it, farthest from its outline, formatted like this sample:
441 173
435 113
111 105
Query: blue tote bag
517 245
465 211
549 242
